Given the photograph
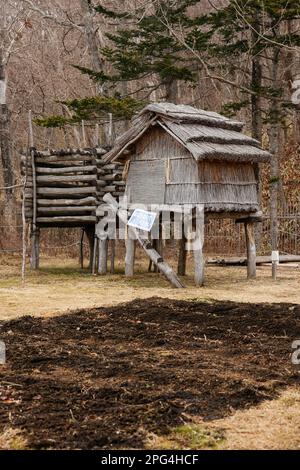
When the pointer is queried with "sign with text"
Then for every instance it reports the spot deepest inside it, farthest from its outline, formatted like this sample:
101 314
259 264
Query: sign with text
143 220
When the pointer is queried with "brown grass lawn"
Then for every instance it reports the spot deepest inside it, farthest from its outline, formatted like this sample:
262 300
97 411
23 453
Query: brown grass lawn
60 286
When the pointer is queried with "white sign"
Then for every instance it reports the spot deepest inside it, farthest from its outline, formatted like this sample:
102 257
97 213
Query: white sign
142 220
275 257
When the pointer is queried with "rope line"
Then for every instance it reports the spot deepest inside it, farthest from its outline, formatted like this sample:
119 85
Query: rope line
45 247
4 188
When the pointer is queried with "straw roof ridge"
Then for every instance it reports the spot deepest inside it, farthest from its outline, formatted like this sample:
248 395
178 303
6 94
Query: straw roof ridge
205 134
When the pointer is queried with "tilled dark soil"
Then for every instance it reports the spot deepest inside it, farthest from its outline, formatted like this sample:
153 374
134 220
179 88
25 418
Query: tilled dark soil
104 378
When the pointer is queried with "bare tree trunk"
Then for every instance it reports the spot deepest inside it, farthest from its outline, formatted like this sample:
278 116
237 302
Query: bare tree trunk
274 148
256 112
91 39
5 145
256 83
171 91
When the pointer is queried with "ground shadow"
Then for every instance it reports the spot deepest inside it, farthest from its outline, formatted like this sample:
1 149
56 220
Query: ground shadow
104 378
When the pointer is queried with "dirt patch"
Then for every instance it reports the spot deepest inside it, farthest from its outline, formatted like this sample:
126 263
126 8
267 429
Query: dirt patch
107 377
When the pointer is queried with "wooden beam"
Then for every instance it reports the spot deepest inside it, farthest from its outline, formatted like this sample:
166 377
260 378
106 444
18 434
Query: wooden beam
66 210
64 219
87 201
250 219
64 160
66 179
66 169
66 191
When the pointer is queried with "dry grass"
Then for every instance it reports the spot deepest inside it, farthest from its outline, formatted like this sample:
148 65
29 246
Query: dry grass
60 285
12 439
272 425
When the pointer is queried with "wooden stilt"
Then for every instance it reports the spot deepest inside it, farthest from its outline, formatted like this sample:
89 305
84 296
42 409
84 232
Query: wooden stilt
251 250
156 244
81 249
130 256
90 232
94 255
112 256
199 267
102 260
181 268
35 249
198 247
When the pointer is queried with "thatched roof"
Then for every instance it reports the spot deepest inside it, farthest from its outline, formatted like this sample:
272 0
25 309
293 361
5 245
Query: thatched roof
205 134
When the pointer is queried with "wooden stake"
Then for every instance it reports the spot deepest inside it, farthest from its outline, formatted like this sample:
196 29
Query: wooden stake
102 260
97 135
181 269
90 232
251 250
94 255
129 257
110 129
35 249
30 129
198 247
83 133
81 249
112 256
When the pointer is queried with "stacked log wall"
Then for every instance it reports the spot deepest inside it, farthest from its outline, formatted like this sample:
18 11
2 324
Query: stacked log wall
70 185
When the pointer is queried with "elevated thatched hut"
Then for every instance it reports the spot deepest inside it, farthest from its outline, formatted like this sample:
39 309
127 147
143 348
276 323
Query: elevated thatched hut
178 154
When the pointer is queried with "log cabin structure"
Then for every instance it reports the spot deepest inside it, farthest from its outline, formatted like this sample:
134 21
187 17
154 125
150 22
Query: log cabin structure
180 155
64 188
